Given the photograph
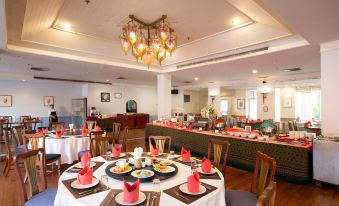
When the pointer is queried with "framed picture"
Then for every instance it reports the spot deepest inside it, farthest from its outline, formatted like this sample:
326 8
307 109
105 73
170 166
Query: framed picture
241 103
105 97
287 102
117 95
48 100
265 108
187 98
5 100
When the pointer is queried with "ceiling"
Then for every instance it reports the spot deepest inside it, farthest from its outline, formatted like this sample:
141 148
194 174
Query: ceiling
91 49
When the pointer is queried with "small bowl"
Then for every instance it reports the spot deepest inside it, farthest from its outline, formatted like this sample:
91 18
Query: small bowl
252 136
237 134
244 135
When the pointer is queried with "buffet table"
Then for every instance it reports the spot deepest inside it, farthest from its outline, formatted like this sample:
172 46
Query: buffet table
294 161
65 197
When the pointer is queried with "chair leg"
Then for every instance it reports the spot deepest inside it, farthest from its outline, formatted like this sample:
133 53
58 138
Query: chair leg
59 166
6 165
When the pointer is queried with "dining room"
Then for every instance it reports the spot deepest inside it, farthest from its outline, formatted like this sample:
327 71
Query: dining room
162 103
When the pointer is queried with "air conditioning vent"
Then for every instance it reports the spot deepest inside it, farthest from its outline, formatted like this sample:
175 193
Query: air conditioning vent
70 80
122 78
218 59
292 70
187 82
39 69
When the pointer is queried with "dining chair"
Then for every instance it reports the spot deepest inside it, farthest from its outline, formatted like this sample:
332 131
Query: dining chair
291 126
98 143
90 125
17 132
295 125
267 198
160 142
30 126
57 125
263 175
92 147
218 147
3 125
116 132
23 117
38 195
10 154
50 159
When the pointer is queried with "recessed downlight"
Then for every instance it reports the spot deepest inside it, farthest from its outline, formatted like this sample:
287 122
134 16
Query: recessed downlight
107 80
254 71
67 26
196 78
236 21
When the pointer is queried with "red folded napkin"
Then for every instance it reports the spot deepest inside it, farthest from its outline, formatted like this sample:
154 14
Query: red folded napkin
98 128
206 165
63 130
154 151
40 131
116 149
131 192
84 131
85 158
45 130
58 134
185 154
193 182
190 126
85 176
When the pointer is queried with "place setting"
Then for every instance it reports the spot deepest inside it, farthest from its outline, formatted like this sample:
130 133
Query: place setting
85 161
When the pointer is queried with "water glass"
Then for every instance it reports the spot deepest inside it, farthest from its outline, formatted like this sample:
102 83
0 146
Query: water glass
156 187
108 156
194 165
104 180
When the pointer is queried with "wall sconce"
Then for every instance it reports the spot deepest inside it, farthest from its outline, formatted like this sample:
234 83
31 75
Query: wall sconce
213 98
264 96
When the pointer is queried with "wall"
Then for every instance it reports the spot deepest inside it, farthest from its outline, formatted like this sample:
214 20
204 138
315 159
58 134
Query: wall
178 101
238 94
270 103
198 101
285 93
145 96
27 97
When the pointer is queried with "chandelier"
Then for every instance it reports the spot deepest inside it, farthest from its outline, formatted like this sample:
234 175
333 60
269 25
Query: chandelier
148 42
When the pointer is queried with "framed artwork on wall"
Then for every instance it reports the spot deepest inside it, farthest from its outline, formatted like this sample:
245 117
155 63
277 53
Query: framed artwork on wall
5 100
117 95
105 97
287 102
187 98
48 100
240 103
265 108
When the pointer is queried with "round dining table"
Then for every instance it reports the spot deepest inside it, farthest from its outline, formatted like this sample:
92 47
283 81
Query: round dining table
216 197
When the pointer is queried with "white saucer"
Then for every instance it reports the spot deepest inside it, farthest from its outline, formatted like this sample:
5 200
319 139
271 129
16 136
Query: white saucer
121 155
120 199
181 160
134 174
213 171
183 188
75 184
170 170
79 165
159 154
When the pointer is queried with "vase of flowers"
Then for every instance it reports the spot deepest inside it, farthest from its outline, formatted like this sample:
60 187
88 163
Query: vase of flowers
211 112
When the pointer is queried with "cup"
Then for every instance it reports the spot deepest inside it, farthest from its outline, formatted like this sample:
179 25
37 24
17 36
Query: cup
121 162
137 163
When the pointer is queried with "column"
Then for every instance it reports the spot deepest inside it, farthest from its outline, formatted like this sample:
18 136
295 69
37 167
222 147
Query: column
164 96
329 87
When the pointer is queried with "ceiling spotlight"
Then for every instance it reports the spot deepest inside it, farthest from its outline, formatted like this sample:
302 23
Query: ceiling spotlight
255 71
107 80
236 21
67 26
196 78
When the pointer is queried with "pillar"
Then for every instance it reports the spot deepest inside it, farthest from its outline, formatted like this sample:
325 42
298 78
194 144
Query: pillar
164 95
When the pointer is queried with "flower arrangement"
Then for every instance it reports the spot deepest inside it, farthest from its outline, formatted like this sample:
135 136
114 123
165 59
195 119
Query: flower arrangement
210 111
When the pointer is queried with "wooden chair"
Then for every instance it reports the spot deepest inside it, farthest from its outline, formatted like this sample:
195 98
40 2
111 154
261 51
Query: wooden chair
291 126
34 162
50 159
160 142
57 125
264 172
116 132
267 198
3 125
17 132
23 117
10 155
30 126
90 125
98 143
92 146
218 147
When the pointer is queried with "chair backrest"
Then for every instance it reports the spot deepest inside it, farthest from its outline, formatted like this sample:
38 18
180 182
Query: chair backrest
3 123
91 125
116 131
23 117
264 173
33 140
291 126
7 143
30 125
218 147
160 142
124 139
17 134
267 198
8 118
57 125
295 125
98 143
36 177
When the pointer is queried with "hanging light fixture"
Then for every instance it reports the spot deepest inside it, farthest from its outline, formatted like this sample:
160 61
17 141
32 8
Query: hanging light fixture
159 42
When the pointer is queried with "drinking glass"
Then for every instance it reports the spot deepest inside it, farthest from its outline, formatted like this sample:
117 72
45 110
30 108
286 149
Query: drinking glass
194 165
104 180
156 187
108 156
171 154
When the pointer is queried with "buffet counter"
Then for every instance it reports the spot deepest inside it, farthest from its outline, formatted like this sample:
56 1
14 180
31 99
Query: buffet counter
294 161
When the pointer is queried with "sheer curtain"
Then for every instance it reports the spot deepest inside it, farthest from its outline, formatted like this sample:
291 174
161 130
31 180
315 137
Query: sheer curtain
308 105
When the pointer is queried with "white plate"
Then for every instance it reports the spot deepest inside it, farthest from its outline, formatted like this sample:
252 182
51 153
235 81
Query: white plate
169 170
120 199
79 165
134 174
183 188
119 173
121 155
181 160
75 184
159 154
213 171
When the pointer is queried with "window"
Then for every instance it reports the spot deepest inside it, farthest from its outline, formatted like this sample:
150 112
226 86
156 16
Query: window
224 107
308 104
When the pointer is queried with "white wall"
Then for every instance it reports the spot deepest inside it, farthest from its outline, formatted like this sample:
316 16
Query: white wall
329 88
270 103
287 92
238 94
145 96
178 101
27 97
198 99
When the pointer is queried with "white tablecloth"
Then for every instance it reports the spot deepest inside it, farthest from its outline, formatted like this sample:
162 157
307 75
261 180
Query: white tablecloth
215 198
67 147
